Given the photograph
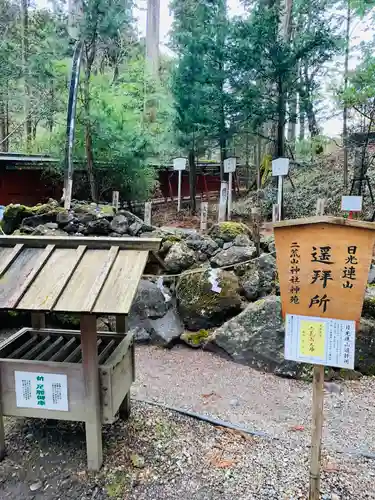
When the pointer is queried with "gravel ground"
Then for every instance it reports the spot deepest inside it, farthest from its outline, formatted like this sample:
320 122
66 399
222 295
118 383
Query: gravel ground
160 454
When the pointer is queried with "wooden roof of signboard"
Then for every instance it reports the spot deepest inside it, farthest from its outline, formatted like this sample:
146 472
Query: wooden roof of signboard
341 221
73 274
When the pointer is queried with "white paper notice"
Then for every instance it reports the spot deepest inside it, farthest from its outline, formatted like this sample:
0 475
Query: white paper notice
47 391
351 203
320 341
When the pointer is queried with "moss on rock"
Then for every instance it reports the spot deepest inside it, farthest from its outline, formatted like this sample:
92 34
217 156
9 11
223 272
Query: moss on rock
227 231
14 215
199 306
196 339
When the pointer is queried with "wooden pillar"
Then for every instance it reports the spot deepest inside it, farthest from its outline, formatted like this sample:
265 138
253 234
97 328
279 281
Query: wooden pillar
122 327
316 438
38 320
92 396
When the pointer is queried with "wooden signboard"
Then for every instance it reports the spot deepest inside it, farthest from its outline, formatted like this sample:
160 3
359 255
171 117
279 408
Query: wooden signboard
323 265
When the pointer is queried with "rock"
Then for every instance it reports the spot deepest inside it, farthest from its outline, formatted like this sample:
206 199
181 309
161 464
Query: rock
137 460
166 330
251 284
83 211
36 486
242 240
44 230
74 226
39 219
258 278
365 347
141 335
102 325
200 307
256 336
227 245
119 224
227 231
210 247
233 255
371 275
267 243
195 243
195 339
135 228
149 301
99 227
369 302
179 258
64 217
51 225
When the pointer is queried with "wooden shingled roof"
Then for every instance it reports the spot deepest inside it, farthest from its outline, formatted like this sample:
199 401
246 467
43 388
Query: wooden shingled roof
73 274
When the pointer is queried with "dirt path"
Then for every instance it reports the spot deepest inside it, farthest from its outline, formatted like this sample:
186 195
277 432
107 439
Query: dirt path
205 383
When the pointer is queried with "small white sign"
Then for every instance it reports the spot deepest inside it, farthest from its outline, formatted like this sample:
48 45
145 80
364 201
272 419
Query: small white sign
179 164
320 341
280 166
47 391
230 165
351 203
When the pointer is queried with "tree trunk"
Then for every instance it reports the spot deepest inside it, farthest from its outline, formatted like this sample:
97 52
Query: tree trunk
280 119
3 127
345 111
90 55
152 38
25 72
192 182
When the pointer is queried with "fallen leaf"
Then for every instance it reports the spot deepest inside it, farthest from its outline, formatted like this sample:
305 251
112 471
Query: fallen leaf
296 428
330 468
208 395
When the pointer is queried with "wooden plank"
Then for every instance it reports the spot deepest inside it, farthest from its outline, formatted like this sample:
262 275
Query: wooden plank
51 349
327 220
14 341
100 280
2 430
120 351
121 323
92 392
76 391
35 350
106 351
128 243
18 353
74 297
13 279
61 354
44 292
38 265
119 289
9 258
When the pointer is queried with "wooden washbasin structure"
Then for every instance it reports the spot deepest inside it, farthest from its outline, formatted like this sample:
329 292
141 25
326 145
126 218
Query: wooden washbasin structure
81 375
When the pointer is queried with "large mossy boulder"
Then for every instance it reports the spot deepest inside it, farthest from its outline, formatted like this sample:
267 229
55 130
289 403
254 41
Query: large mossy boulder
199 306
179 257
228 231
256 336
259 277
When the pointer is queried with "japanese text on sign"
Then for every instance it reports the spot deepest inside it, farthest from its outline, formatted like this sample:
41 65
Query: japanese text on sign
47 391
320 341
294 280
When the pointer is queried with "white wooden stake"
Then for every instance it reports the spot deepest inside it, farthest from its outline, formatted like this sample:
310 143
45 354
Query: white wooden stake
148 209
230 179
280 196
204 215
68 195
115 200
179 191
223 201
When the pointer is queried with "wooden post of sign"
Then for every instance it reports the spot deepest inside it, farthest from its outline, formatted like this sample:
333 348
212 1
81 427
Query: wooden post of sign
230 187
276 212
204 215
90 368
115 200
317 412
179 191
148 211
280 196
